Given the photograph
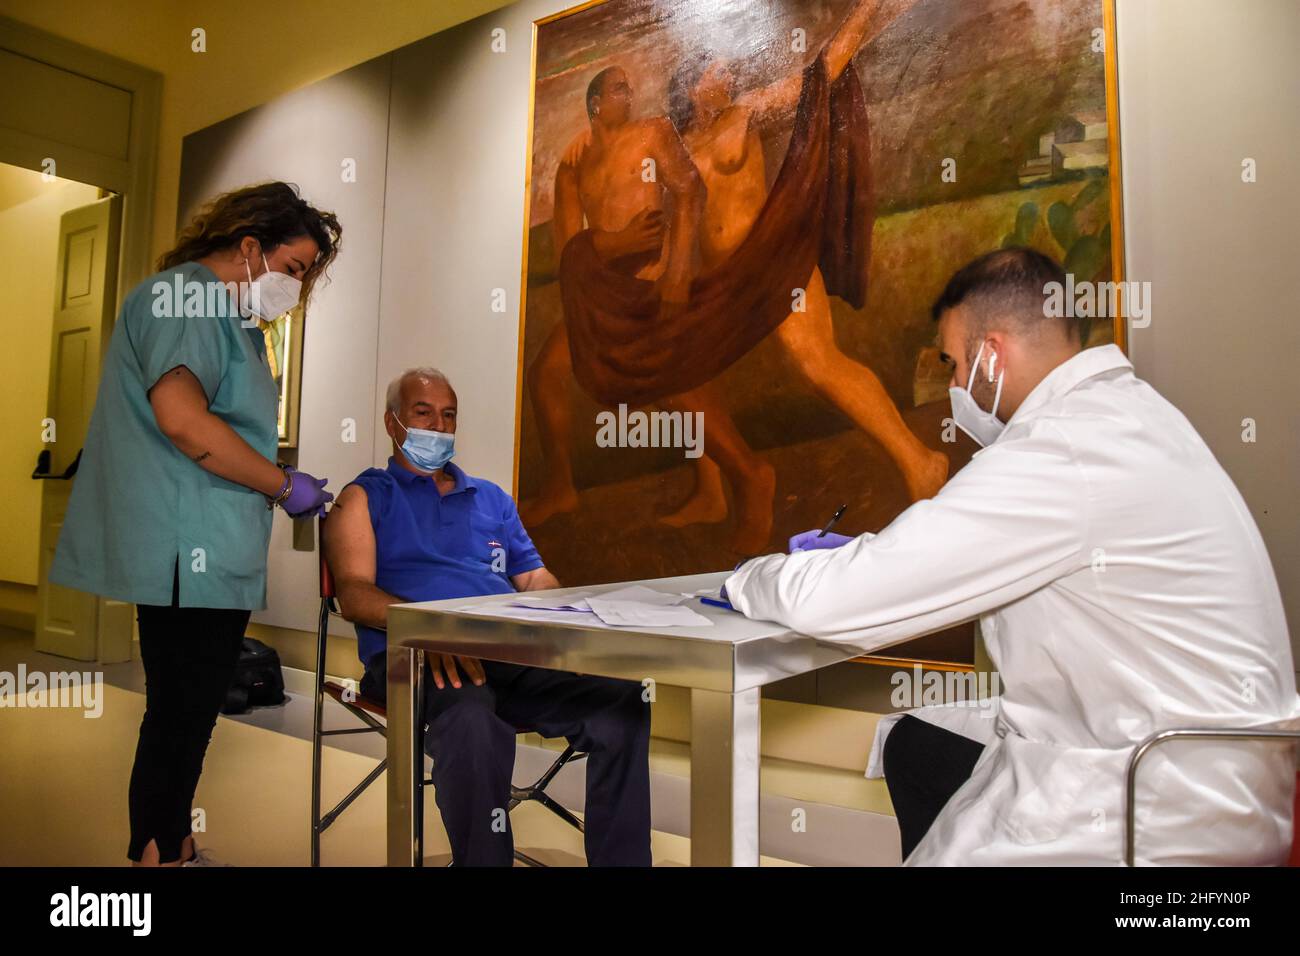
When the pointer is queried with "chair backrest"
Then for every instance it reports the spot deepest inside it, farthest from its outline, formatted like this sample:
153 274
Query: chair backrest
326 579
1200 733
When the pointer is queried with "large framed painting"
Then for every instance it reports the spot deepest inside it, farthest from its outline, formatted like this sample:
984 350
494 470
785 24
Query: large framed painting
739 213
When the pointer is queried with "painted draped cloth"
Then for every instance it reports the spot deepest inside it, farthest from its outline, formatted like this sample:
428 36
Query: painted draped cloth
819 212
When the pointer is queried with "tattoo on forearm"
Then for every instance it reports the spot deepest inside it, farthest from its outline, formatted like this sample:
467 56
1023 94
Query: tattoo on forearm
199 458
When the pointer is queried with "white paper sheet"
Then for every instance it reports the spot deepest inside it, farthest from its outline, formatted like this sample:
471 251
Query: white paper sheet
631 606
627 613
574 602
641 594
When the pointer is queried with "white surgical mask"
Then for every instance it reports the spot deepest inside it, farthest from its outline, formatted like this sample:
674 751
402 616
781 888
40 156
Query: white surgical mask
270 295
984 427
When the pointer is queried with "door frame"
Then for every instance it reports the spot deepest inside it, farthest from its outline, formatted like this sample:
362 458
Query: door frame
134 177
99 627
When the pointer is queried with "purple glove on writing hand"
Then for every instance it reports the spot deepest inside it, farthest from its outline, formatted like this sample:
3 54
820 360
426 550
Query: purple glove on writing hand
814 540
308 497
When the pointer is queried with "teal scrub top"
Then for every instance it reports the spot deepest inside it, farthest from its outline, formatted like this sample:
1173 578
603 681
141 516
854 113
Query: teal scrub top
140 507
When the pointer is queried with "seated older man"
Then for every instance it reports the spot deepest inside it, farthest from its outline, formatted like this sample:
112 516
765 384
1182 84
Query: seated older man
421 530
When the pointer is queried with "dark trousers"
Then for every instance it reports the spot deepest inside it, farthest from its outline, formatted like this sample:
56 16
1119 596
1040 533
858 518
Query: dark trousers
470 734
189 656
924 766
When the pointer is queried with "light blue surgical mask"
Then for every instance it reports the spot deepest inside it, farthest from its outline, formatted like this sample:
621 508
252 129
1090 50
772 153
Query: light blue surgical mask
427 450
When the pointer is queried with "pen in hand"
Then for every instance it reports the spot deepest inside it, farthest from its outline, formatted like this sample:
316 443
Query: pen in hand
834 518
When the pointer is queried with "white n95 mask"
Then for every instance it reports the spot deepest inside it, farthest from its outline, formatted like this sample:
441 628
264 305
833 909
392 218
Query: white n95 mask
271 294
982 426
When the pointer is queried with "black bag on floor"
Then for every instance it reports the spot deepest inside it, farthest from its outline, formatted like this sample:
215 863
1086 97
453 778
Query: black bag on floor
258 681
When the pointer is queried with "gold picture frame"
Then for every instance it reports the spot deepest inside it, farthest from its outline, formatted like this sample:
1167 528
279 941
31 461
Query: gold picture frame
283 340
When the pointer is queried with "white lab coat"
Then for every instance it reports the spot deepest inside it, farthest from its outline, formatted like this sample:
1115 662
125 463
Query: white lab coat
1122 587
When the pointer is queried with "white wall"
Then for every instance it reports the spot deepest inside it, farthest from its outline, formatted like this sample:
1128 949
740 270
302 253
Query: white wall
1203 85
456 161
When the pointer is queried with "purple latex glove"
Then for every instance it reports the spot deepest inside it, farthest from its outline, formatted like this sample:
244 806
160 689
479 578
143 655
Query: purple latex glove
814 541
308 497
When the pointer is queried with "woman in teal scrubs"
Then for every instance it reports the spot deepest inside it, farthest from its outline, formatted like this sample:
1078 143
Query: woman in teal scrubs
171 508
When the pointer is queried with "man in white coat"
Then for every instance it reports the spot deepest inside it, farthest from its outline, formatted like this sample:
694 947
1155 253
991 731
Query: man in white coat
1121 587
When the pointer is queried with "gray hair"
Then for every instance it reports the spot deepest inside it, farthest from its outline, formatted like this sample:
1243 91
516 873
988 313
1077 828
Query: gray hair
394 399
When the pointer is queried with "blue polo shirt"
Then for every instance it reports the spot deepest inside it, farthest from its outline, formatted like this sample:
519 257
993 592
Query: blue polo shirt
430 546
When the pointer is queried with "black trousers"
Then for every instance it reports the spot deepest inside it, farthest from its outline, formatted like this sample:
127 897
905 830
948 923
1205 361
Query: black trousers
470 734
189 656
924 766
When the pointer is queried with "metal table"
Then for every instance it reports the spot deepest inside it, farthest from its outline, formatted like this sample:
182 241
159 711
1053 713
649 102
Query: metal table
723 666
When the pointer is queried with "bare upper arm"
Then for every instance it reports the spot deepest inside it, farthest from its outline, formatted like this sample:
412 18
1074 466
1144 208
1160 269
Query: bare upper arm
767 102
350 540
176 398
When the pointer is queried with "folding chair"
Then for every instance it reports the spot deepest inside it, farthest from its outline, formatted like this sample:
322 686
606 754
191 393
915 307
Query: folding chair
374 715
1196 733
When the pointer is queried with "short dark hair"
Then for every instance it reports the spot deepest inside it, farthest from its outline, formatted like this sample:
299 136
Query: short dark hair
1007 284
597 86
